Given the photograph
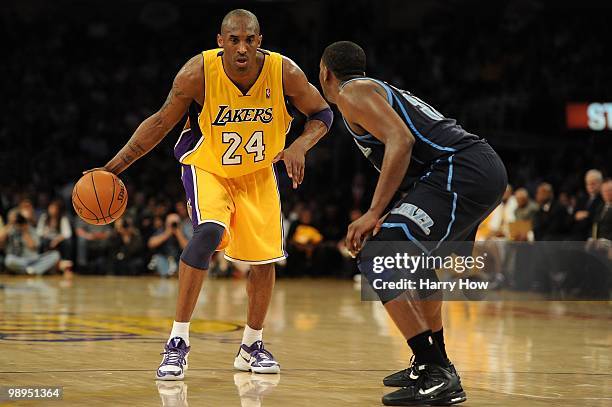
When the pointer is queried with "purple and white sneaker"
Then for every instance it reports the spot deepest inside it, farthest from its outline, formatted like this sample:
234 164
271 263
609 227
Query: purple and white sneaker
174 363
256 359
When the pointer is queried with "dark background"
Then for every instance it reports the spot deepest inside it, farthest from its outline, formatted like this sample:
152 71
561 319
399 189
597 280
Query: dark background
79 76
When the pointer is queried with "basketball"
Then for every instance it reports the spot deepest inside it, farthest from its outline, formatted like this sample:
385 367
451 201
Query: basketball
99 197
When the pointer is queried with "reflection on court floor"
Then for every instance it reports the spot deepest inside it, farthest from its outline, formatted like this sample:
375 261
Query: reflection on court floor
100 338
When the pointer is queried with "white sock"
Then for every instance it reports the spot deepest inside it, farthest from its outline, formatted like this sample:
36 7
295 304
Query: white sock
251 335
180 329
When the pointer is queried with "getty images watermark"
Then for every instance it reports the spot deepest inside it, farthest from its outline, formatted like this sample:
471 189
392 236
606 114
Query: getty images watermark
409 263
492 270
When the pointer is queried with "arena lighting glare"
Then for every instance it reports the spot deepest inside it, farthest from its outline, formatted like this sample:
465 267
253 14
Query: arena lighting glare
589 116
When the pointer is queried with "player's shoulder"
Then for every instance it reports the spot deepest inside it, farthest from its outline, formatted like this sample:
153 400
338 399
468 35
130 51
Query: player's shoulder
291 69
357 90
193 67
360 87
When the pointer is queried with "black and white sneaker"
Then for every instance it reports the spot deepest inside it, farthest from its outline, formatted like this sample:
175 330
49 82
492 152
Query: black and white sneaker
436 386
403 378
408 377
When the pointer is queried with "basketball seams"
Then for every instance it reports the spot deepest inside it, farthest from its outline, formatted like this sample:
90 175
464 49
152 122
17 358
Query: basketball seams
93 183
110 205
122 207
85 206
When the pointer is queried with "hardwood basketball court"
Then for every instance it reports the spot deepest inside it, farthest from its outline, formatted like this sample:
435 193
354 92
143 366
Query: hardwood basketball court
100 338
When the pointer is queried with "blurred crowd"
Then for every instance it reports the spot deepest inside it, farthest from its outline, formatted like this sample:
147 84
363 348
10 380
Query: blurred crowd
80 86
546 216
552 243
40 236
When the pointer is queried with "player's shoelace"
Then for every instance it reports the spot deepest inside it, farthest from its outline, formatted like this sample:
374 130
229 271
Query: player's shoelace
174 356
262 355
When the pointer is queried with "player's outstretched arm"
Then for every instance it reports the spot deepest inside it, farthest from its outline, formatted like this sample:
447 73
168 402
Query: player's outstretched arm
364 106
187 86
307 99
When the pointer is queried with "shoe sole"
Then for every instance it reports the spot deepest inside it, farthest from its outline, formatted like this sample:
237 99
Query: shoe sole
170 377
456 398
447 400
240 364
266 370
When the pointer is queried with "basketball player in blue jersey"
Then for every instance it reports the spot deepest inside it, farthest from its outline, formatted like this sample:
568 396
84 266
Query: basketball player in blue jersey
227 153
450 181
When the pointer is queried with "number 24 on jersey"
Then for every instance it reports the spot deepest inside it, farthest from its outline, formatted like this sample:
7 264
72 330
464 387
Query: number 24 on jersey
254 145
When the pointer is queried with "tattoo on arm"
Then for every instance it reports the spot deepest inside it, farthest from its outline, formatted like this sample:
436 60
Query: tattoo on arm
135 151
136 148
113 168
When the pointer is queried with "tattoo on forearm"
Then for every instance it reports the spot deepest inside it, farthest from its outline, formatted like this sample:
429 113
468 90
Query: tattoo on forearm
136 148
175 92
135 151
113 168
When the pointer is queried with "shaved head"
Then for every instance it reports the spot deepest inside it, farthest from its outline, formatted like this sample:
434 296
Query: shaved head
238 17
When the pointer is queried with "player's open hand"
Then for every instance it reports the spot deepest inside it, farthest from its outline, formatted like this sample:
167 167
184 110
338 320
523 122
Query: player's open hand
294 157
359 230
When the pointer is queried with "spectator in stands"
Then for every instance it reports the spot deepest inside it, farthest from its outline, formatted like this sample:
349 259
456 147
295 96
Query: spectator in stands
26 209
551 221
126 248
525 207
22 244
595 278
525 212
602 227
2 241
93 247
167 244
185 224
495 226
587 205
55 231
566 202
303 239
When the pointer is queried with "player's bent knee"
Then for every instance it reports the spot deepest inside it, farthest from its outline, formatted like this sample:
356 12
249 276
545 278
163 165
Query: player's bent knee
201 247
387 278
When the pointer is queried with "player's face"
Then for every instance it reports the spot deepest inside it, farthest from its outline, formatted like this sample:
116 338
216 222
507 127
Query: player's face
240 42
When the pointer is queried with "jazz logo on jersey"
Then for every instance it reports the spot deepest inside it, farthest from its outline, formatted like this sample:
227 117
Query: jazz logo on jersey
417 215
227 115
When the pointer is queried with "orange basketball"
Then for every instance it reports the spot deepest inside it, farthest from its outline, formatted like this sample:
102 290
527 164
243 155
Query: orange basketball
99 197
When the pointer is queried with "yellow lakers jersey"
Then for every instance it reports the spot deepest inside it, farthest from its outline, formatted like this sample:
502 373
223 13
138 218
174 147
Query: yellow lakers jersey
241 133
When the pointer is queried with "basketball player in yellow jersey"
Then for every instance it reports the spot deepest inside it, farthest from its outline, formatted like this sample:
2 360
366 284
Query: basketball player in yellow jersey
227 171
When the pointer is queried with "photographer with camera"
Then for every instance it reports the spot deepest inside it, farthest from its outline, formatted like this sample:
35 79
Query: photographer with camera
22 244
167 244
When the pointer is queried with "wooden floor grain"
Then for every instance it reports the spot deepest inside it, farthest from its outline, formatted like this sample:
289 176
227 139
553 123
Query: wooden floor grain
100 338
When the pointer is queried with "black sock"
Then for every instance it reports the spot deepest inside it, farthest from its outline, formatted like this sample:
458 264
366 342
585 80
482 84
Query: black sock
439 339
425 349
